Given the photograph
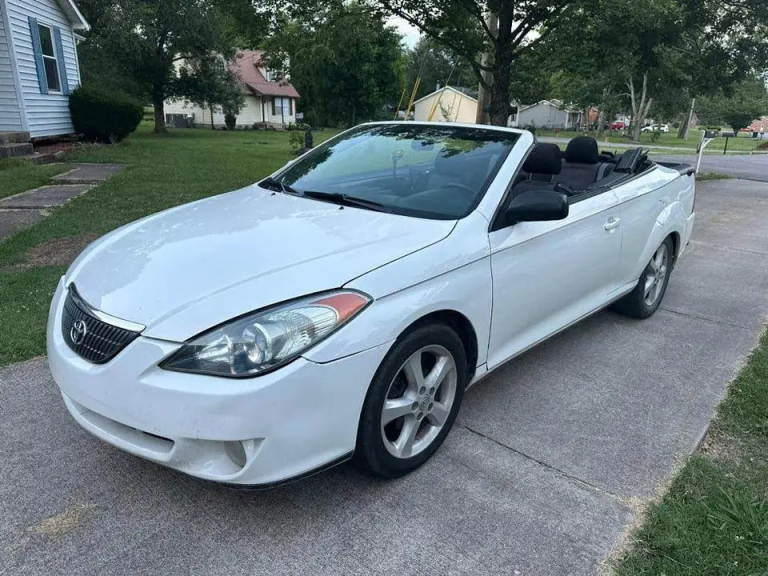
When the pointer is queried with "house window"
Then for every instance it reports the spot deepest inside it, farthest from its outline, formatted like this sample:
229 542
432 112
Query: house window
49 58
220 65
271 75
282 106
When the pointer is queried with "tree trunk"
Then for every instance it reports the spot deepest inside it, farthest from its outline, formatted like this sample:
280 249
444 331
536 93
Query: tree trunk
210 108
484 90
159 106
685 127
499 108
601 123
639 109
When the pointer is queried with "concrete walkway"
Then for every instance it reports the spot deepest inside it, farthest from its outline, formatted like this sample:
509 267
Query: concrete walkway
541 475
27 208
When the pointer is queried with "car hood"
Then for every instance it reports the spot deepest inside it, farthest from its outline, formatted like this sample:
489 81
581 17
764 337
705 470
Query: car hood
187 269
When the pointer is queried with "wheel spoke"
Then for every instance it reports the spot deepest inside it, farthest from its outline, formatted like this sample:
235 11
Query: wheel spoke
439 371
414 373
404 443
654 266
439 414
394 409
650 282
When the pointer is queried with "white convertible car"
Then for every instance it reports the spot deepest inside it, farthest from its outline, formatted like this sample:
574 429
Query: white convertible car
341 307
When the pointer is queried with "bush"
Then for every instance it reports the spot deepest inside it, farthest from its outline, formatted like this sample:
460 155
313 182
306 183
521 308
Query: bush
713 128
296 140
298 126
230 120
531 128
104 116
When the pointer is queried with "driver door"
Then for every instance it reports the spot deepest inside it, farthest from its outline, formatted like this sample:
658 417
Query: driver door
547 275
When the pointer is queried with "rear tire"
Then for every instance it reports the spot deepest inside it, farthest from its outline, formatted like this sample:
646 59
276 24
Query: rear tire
646 298
412 401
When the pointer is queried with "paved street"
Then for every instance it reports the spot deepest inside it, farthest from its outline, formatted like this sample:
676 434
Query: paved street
540 476
753 167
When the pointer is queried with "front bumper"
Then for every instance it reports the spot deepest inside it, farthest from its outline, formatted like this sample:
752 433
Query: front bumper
254 431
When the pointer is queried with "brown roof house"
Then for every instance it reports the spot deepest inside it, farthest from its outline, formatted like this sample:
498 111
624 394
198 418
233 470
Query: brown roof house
268 101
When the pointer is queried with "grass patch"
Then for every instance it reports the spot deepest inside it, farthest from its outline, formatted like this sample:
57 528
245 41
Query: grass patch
714 519
742 143
160 172
21 175
712 176
26 297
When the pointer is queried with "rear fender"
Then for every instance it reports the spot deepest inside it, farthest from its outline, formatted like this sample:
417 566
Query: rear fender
671 220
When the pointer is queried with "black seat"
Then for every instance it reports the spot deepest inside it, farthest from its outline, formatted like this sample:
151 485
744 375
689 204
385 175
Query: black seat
582 166
543 163
540 169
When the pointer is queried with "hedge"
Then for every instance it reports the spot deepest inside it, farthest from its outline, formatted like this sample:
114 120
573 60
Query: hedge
104 116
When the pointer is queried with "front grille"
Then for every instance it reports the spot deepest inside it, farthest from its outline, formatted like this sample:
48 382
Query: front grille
94 340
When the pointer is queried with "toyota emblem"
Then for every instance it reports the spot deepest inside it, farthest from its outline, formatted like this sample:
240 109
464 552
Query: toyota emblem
78 331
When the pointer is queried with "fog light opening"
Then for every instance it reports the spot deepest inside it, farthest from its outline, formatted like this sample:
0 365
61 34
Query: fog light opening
236 453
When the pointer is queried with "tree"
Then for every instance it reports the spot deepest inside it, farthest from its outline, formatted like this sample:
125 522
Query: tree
148 37
501 29
435 64
208 83
747 102
344 60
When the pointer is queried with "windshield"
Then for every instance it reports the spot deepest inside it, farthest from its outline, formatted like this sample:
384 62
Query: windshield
438 172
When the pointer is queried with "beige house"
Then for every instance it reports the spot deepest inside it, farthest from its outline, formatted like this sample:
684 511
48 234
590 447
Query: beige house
446 105
268 101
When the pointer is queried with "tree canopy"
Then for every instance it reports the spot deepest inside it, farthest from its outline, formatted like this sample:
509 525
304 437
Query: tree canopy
345 62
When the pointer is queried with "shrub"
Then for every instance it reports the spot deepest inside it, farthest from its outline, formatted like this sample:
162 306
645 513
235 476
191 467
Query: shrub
531 128
230 120
296 139
713 128
103 116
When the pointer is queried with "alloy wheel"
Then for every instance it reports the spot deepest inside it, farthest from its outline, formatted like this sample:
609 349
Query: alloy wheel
656 275
419 401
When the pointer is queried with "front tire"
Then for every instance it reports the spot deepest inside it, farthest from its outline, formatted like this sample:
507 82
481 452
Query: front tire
646 298
412 401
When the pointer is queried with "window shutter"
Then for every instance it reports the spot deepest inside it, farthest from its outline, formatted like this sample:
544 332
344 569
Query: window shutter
60 62
38 52
274 106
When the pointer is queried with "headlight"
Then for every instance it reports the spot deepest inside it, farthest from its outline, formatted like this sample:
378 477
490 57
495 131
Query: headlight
263 341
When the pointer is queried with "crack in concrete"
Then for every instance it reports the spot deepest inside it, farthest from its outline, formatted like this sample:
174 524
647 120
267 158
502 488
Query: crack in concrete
706 319
554 469
712 245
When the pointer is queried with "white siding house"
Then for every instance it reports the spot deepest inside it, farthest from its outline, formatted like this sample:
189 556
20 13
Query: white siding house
38 65
548 114
267 101
446 104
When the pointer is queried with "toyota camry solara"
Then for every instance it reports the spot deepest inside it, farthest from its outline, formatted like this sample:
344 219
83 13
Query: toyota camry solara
341 307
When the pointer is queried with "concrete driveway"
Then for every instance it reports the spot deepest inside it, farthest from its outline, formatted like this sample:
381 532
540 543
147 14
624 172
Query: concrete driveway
541 475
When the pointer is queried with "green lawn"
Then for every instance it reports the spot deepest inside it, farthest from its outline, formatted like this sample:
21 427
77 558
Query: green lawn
743 143
714 519
20 175
160 172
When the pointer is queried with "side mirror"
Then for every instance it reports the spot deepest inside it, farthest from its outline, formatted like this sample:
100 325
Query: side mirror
537 206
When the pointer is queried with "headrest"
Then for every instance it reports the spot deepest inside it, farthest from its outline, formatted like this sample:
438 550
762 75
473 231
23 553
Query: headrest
543 159
582 150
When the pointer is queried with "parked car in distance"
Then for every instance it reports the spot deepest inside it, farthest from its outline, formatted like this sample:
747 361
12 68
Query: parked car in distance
618 125
341 307
663 128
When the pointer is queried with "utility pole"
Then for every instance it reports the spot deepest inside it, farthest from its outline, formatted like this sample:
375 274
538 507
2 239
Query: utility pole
483 93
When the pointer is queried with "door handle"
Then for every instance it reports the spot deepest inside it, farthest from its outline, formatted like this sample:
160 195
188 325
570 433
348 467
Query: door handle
612 223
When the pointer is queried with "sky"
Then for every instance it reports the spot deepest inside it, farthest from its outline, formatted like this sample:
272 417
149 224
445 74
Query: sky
410 33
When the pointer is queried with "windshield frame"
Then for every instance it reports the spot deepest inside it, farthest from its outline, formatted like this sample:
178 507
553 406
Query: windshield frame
413 212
